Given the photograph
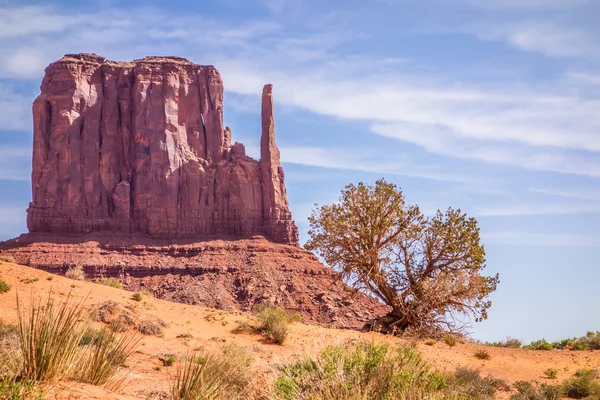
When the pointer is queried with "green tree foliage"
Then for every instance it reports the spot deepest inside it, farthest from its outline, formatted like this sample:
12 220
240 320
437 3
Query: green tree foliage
427 269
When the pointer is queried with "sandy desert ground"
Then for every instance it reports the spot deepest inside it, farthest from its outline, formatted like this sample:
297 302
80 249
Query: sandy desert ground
211 328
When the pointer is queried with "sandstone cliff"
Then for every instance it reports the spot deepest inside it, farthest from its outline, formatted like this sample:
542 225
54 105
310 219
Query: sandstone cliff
140 147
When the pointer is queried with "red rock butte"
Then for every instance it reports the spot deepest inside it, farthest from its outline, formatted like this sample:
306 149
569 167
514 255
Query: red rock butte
140 148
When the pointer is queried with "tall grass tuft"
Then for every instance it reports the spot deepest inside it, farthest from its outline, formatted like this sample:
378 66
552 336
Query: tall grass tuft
101 359
211 375
49 337
273 322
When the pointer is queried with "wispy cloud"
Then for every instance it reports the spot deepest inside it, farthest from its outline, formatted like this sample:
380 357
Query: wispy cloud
536 208
516 238
15 163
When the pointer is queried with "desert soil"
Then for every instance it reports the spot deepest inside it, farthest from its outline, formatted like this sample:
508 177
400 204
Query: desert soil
211 328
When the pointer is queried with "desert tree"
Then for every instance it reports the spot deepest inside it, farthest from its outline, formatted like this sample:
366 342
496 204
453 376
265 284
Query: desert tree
427 269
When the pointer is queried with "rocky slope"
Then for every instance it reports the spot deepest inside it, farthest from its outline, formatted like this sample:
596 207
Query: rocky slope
141 147
229 275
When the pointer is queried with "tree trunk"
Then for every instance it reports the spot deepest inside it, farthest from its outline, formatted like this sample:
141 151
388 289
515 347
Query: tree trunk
393 322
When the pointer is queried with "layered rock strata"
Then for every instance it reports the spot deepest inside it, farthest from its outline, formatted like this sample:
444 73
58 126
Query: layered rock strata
140 147
230 275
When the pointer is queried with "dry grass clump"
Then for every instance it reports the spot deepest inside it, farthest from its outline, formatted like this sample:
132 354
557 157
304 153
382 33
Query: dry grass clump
212 375
111 282
76 272
482 354
274 322
100 361
7 258
467 383
151 326
122 318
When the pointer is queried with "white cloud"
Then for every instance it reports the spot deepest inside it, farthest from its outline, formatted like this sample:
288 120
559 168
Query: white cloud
548 38
521 4
536 208
580 193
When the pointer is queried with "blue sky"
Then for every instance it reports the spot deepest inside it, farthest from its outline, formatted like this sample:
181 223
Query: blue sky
491 106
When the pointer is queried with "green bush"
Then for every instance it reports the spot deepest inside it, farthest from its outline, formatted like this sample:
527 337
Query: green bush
11 389
551 373
375 371
509 342
539 345
583 385
111 282
4 287
213 375
137 296
430 342
273 322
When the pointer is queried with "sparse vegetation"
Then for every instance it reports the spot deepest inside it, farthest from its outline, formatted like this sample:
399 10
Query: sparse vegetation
225 375
467 383
509 342
7 258
582 385
75 272
54 340
375 371
427 269
137 296
111 282
450 340
4 287
430 342
482 355
551 373
169 361
273 322
541 344
12 389
527 391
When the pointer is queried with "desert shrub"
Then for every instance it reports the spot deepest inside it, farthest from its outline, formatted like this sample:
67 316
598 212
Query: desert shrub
581 386
7 258
111 282
4 287
102 358
591 341
430 342
273 322
137 296
467 383
12 389
527 391
541 344
360 370
50 333
76 272
151 326
450 340
509 342
114 314
225 375
482 355
7 330
168 361
551 373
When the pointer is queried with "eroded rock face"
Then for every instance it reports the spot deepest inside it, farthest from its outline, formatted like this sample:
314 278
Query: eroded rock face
140 147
